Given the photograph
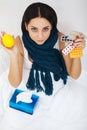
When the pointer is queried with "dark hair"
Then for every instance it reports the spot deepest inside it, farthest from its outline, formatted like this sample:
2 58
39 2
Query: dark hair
39 10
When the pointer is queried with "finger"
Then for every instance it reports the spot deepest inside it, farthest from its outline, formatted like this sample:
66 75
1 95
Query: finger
80 36
2 33
80 44
1 41
79 40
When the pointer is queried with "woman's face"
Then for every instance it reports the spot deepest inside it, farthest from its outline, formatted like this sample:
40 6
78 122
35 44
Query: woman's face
39 30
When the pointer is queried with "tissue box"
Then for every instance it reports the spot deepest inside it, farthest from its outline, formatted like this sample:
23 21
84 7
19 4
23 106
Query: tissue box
22 106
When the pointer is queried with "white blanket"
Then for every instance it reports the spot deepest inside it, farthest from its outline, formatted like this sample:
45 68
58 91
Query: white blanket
66 109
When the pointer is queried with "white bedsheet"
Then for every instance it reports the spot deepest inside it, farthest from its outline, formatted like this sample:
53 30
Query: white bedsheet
66 110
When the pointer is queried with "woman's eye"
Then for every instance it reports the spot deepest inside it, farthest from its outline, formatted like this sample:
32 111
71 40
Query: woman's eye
45 29
34 29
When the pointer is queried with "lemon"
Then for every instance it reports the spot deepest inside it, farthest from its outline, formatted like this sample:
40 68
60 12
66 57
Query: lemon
8 40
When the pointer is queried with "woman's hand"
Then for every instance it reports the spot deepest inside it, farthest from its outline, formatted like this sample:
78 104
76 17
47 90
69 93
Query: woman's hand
80 41
16 49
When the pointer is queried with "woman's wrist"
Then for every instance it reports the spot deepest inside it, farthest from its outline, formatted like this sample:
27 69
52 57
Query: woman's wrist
76 68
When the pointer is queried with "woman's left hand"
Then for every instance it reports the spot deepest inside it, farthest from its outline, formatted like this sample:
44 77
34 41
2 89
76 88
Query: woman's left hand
80 41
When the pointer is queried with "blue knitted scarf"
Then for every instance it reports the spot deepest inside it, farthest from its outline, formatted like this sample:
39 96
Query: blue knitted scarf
46 59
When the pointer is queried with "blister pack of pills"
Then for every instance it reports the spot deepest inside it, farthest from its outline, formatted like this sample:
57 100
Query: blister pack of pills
70 47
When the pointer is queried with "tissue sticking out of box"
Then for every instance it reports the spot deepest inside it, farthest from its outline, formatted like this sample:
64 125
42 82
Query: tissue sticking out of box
24 97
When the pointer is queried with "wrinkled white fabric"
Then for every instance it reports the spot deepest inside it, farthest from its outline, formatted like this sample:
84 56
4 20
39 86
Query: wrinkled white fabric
66 109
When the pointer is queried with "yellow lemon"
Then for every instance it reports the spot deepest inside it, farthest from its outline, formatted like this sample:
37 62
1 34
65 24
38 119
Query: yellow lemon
8 40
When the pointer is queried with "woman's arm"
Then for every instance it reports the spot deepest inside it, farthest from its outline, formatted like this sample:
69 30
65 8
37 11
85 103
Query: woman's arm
73 65
16 63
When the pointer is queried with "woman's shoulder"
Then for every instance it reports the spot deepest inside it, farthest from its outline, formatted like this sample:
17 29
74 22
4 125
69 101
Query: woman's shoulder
60 33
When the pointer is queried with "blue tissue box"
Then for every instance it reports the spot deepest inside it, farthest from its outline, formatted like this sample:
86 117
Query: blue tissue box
22 106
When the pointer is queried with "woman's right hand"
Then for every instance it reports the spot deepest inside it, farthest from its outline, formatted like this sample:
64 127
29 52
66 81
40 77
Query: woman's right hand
16 50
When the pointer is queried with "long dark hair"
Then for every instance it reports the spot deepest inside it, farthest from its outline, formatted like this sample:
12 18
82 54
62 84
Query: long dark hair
39 10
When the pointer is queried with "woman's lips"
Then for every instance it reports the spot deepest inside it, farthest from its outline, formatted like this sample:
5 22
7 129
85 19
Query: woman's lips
40 41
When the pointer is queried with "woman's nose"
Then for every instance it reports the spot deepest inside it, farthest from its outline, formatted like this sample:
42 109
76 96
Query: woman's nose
40 34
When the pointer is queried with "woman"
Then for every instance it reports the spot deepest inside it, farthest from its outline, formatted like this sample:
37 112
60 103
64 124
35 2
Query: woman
40 67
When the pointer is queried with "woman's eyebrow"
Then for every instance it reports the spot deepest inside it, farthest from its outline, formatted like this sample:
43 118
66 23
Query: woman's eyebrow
33 26
46 27
37 27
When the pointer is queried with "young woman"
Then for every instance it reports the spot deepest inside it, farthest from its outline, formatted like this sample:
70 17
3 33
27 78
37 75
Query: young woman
37 65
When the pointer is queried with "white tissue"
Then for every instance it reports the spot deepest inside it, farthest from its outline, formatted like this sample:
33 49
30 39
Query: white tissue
24 97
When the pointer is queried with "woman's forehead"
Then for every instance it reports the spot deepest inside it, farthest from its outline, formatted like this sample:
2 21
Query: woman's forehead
39 22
